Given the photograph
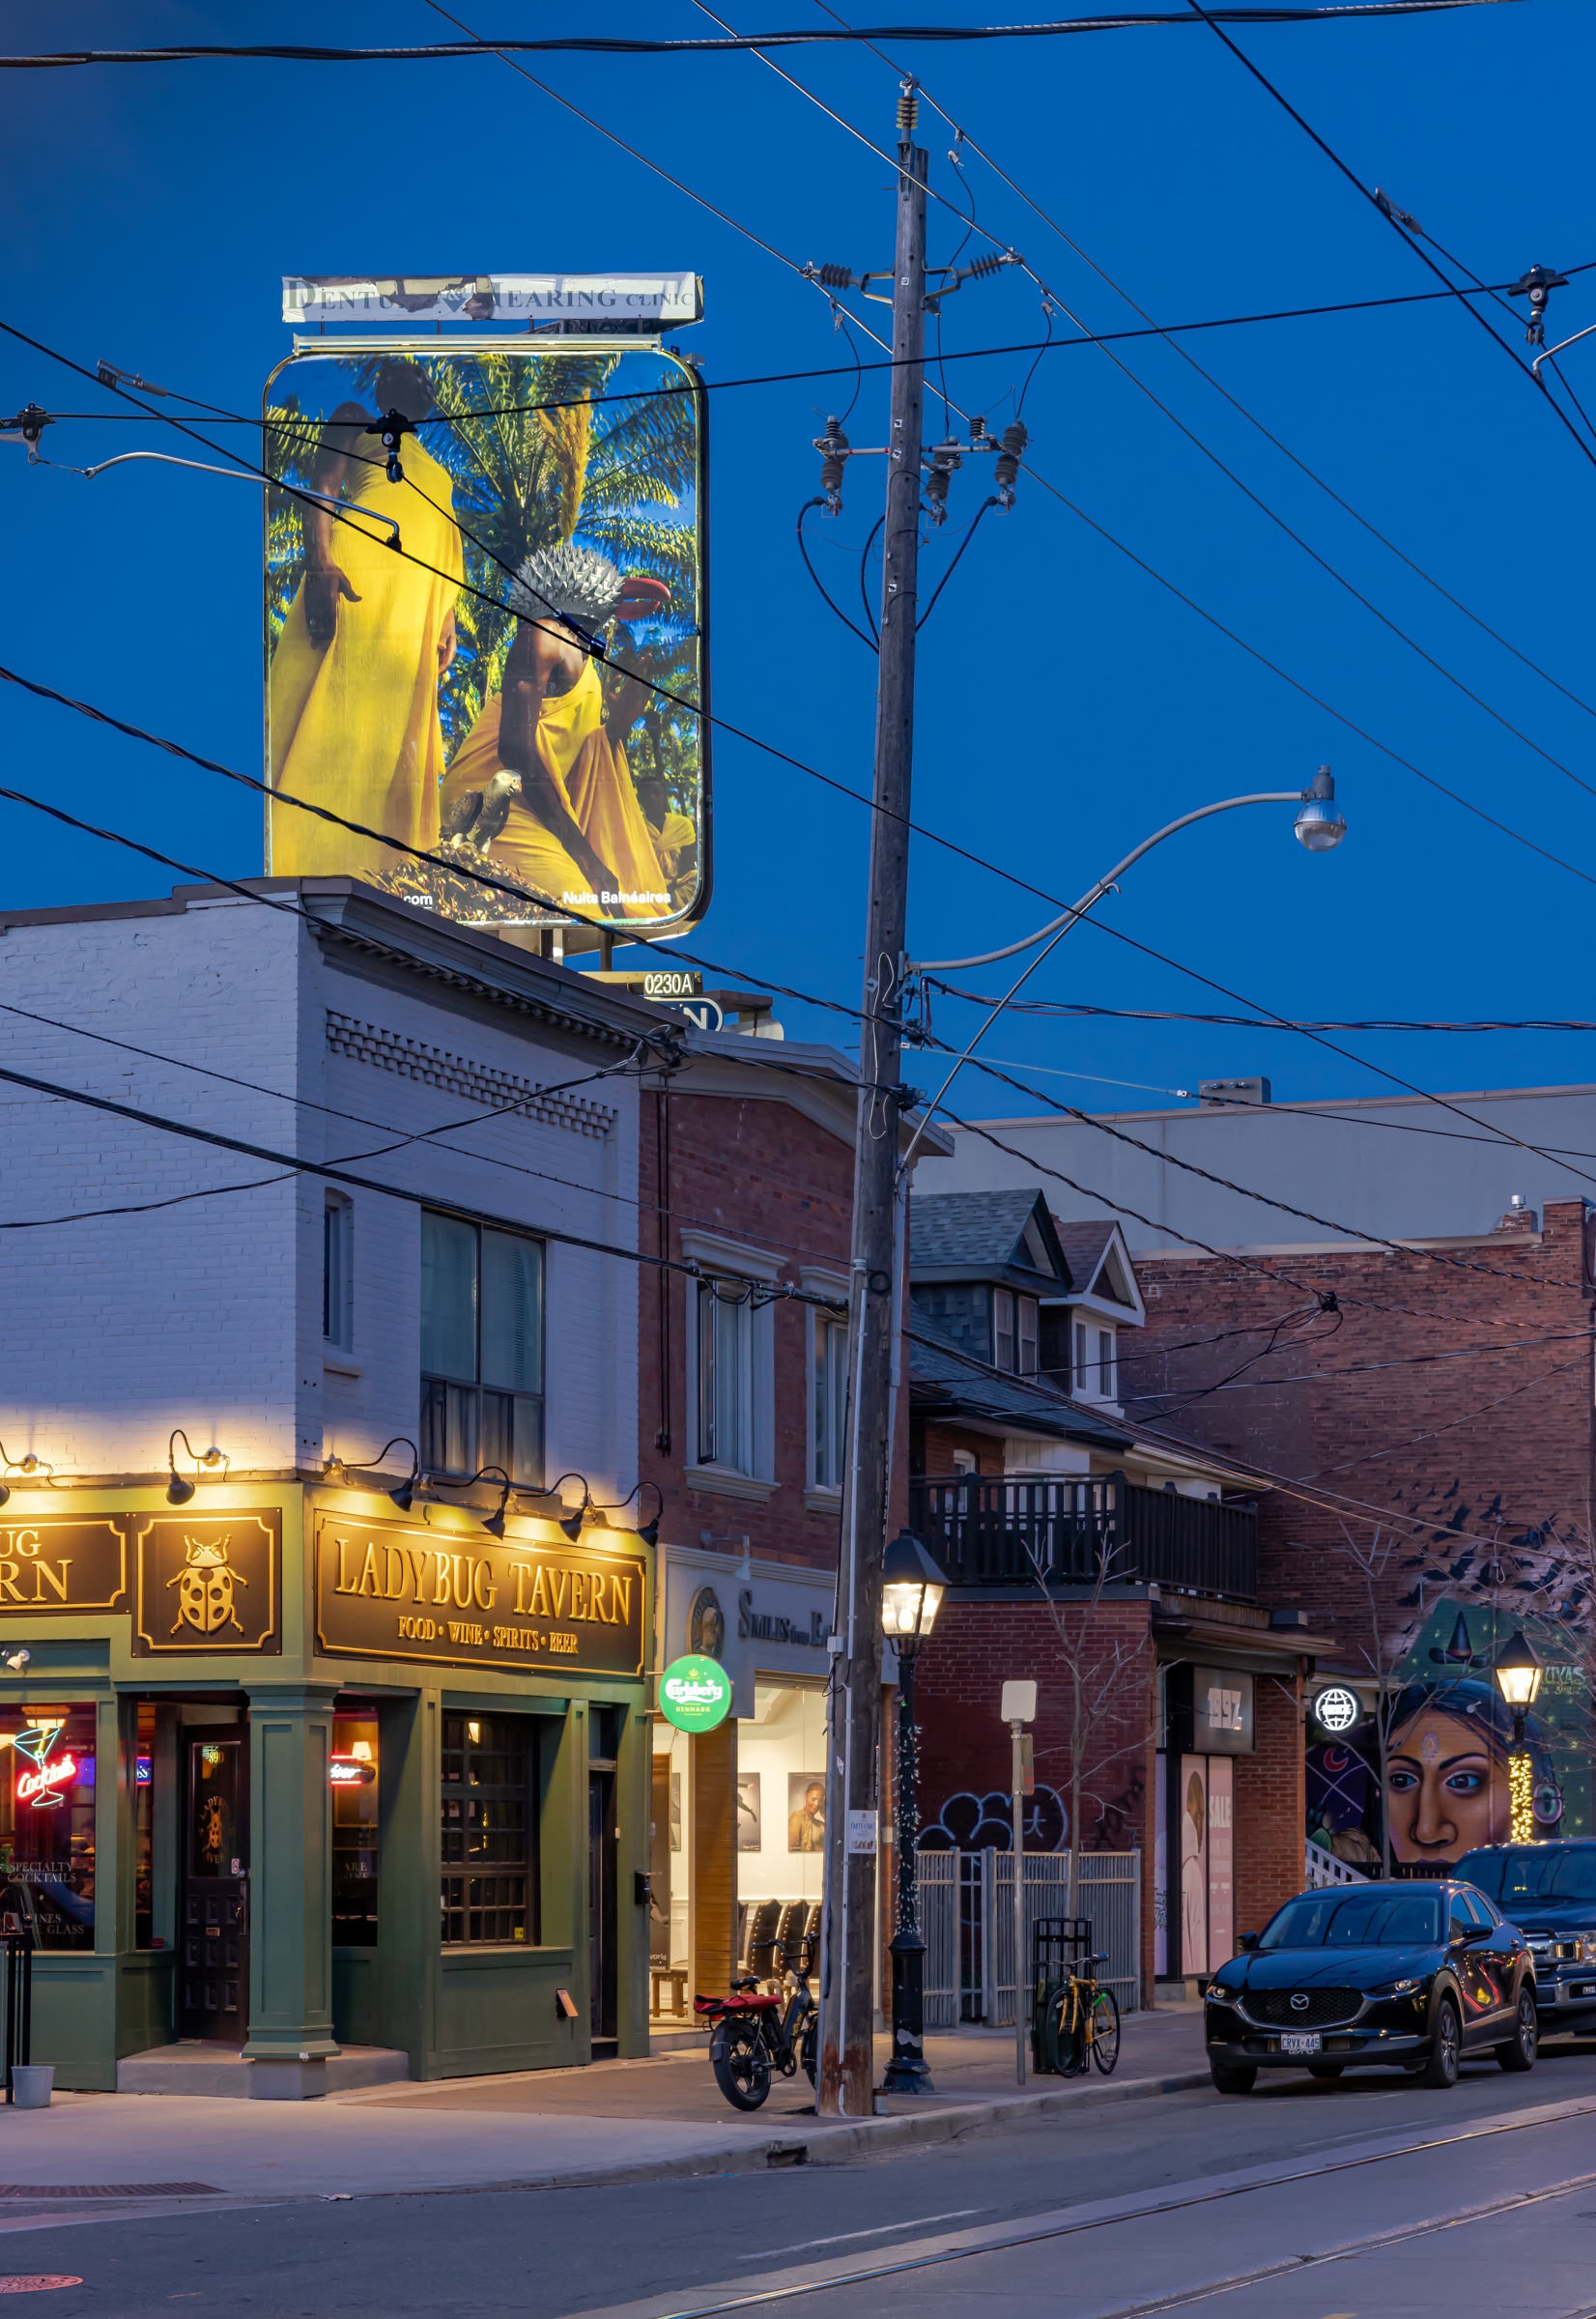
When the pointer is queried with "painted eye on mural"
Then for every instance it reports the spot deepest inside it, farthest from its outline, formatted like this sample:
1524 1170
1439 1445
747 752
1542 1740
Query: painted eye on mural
1464 1782
1401 1782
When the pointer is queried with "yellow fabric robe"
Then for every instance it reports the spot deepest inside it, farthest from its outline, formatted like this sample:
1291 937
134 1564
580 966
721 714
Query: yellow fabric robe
591 773
354 723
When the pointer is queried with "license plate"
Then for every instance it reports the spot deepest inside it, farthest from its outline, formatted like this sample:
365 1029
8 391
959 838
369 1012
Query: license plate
1302 2041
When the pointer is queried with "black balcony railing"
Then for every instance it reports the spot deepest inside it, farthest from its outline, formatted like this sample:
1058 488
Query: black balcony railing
991 1531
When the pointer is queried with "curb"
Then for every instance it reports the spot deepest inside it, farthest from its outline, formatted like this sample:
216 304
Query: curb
825 2146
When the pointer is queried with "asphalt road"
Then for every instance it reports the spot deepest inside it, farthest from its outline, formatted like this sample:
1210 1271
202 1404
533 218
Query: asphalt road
544 2254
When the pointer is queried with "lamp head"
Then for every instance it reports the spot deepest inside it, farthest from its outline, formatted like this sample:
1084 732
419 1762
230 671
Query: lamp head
649 1532
1518 1673
912 1588
571 1524
1321 825
178 1490
405 1494
494 1523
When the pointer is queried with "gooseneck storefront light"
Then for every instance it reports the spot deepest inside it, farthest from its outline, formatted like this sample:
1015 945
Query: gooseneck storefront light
405 1494
647 1532
571 1524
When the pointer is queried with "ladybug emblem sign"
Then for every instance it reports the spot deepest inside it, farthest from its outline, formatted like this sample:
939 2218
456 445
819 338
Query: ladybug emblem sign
205 1588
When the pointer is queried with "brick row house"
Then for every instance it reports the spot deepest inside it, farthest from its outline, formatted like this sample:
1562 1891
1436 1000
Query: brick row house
1401 1369
1432 1499
746 1171
1077 1540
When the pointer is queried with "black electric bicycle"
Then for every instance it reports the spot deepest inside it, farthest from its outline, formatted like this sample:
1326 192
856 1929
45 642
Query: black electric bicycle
756 2035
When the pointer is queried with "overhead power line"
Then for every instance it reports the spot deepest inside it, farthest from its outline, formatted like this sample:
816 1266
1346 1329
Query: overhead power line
1075 1009
596 45
1386 209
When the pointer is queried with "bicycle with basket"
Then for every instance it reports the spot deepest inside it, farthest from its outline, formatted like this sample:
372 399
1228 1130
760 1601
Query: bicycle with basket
1074 2019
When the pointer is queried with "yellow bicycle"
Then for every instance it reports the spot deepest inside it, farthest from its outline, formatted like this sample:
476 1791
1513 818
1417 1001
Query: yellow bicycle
1079 2022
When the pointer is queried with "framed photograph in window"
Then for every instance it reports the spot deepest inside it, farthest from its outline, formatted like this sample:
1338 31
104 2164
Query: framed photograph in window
750 1837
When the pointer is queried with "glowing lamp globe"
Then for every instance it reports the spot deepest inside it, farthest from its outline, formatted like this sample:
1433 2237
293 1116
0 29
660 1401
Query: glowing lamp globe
912 1588
1518 1673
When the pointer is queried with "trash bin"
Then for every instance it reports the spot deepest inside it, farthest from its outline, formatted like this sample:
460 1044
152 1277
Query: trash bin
31 2084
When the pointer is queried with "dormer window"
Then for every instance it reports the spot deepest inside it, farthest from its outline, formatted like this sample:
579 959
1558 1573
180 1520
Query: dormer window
1016 1332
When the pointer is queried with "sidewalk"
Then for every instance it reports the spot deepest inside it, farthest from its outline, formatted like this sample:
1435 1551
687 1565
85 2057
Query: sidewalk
615 2120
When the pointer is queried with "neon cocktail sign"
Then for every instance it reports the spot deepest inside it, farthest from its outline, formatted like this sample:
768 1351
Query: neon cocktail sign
41 1786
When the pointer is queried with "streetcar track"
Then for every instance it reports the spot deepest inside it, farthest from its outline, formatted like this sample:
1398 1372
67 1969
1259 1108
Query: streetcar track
1563 2114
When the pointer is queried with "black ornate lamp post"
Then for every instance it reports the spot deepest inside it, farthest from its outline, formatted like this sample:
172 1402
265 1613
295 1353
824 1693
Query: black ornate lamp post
912 1588
1518 1673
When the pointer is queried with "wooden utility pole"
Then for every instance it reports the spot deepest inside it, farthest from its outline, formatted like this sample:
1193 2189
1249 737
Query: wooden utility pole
849 1941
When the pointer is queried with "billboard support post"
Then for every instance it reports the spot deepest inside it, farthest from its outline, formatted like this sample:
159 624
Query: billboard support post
849 1930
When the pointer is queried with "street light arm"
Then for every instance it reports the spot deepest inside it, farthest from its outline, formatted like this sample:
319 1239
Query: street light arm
1096 893
325 498
1547 352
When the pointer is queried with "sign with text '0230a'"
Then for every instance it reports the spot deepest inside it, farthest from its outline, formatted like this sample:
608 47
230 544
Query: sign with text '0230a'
386 1592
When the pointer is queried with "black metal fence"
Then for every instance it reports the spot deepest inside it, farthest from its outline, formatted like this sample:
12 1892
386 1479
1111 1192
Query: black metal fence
989 1530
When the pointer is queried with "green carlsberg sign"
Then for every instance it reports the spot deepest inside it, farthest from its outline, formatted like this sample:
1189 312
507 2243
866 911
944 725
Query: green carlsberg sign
695 1694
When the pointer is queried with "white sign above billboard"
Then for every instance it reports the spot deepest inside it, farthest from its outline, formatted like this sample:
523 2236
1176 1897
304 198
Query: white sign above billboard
627 301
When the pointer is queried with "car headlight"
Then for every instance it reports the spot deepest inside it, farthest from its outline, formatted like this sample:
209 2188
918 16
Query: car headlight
1584 1948
1395 1988
1217 1993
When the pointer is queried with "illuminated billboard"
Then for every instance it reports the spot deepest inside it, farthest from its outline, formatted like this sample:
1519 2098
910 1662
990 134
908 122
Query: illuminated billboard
485 638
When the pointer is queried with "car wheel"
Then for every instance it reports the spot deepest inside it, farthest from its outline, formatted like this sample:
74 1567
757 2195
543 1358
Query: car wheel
1325 2069
1240 2080
1440 2072
1522 2048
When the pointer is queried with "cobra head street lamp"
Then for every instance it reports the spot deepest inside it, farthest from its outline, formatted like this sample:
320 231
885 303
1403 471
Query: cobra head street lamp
1321 824
912 1588
1518 1673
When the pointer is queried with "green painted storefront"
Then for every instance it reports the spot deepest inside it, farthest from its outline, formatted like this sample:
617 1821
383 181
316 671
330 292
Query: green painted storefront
215 1658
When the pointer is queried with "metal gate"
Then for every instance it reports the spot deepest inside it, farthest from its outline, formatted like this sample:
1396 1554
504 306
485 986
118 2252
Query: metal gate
967 1920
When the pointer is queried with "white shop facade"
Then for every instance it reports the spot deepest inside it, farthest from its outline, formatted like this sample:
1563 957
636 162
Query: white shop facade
738 1813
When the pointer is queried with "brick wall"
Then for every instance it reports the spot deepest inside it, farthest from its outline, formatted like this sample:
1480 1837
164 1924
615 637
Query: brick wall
934 1446
1448 1452
208 1313
1271 1804
761 1172
965 1745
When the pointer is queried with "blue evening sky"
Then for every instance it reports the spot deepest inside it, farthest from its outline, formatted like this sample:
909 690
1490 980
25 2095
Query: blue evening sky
1067 703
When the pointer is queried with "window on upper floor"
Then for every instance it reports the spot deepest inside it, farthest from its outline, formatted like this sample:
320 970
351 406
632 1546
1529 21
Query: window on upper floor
338 1271
1003 1330
482 1321
726 1375
830 1401
1082 1365
1014 1334
1107 1380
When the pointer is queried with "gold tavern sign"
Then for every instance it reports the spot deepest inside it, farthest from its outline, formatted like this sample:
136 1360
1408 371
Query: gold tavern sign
213 1585
59 1567
385 1592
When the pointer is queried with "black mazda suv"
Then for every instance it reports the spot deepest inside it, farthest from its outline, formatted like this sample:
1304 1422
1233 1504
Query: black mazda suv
1393 1976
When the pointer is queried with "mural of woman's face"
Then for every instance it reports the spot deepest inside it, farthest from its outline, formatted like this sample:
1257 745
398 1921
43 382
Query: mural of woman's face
1445 1794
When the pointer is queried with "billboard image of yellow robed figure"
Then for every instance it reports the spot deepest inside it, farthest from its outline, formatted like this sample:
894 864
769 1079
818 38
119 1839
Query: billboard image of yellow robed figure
484 628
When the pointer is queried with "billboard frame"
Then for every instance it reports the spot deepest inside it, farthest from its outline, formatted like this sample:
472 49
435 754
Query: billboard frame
355 345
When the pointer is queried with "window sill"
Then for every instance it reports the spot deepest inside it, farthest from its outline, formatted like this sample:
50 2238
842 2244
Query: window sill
722 1482
822 1502
342 1365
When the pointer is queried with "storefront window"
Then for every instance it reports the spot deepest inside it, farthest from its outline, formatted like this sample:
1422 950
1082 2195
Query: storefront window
48 1824
490 1830
781 1823
355 1839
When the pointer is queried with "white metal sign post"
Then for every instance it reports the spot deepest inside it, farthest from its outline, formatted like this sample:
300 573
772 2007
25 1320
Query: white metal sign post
1019 1708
